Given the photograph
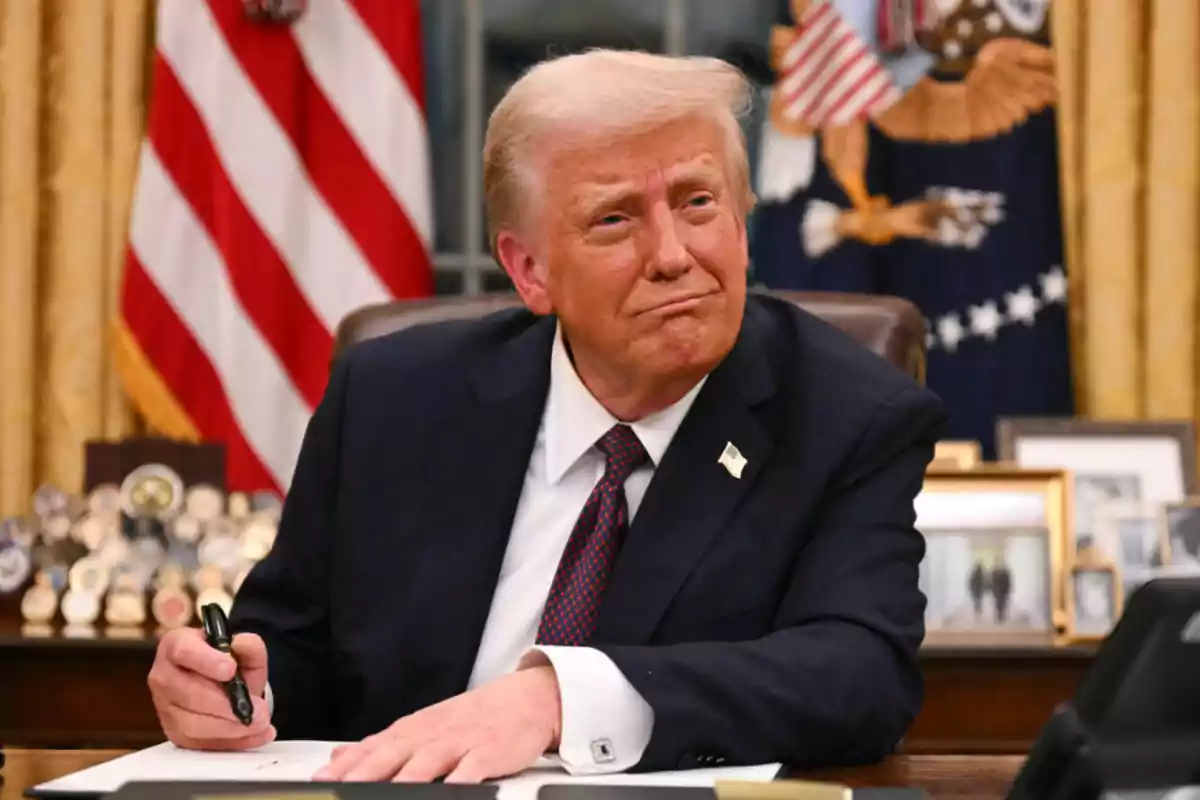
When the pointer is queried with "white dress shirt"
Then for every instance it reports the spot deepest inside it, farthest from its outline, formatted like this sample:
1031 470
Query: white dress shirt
606 724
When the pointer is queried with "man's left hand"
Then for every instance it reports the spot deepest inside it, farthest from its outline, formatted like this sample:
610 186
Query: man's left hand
496 730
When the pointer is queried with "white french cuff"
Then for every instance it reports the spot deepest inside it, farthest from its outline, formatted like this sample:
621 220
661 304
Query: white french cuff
606 723
270 698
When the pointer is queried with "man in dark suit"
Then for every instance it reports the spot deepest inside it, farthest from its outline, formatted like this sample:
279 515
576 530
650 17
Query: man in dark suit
647 523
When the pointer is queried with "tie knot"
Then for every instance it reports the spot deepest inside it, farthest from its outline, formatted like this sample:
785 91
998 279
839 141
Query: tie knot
623 451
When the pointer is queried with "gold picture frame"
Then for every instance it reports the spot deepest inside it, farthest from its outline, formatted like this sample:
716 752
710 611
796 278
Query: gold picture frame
995 552
956 454
1104 607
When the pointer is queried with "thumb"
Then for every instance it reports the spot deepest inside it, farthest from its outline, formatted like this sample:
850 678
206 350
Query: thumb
251 654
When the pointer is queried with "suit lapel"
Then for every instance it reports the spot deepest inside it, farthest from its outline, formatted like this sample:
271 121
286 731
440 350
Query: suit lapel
692 495
476 471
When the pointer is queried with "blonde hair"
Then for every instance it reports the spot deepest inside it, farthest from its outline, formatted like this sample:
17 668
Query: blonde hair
600 94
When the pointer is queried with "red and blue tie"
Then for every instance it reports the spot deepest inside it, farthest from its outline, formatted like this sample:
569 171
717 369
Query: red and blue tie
588 558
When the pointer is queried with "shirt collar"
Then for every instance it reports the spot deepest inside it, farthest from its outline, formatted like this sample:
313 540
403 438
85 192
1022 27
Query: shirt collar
575 420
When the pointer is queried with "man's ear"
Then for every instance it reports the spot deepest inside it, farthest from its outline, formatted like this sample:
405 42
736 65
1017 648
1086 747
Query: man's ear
528 274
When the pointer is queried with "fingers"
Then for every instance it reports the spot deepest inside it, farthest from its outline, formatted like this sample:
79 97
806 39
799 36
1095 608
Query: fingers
250 651
398 761
187 649
348 756
192 707
473 767
190 692
429 763
251 654
193 714
380 763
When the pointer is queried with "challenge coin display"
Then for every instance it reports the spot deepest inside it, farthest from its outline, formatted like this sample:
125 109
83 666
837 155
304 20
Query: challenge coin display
171 606
126 602
105 501
41 601
80 608
15 566
186 528
149 548
204 502
152 491
89 575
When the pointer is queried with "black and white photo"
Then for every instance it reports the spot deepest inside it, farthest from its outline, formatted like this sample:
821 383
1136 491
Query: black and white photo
1131 536
1095 602
1183 536
1096 491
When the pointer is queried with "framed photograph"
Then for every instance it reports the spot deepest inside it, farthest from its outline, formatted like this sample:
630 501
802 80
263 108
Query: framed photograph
1094 601
1110 461
994 553
956 454
1131 536
1181 524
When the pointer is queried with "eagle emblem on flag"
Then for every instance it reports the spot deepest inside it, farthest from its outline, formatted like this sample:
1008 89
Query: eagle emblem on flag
989 71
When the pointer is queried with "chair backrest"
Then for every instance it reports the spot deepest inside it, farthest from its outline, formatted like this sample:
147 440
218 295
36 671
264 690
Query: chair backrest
889 326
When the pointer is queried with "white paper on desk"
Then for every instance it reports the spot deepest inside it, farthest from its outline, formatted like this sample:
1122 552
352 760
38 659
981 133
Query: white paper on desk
278 761
298 760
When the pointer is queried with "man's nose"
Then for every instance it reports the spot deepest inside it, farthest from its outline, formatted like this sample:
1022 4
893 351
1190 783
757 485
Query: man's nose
669 258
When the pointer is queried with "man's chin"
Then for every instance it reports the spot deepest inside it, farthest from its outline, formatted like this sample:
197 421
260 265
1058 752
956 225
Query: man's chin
684 347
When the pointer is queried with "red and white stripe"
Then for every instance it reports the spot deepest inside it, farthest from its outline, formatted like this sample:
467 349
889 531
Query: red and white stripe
283 184
828 75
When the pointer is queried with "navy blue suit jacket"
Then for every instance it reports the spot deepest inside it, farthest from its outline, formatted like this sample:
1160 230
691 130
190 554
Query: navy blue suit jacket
775 617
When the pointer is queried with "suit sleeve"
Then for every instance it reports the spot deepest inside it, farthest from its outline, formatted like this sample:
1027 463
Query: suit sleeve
285 598
837 681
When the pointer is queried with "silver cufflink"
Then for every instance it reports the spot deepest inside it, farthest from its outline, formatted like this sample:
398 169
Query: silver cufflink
602 751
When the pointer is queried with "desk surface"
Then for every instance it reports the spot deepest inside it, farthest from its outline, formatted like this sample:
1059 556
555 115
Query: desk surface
944 777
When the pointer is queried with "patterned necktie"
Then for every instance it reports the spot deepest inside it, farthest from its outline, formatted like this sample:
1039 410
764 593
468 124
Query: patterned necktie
587 560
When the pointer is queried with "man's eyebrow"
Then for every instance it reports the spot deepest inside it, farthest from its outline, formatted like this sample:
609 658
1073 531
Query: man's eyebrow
603 195
597 195
694 174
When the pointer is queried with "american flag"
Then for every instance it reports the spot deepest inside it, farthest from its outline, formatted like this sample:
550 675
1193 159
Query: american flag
283 183
828 75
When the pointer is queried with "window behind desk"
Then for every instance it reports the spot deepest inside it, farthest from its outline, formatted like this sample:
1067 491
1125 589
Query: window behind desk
474 49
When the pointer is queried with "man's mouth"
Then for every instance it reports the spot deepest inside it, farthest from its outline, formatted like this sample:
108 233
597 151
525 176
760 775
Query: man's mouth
680 304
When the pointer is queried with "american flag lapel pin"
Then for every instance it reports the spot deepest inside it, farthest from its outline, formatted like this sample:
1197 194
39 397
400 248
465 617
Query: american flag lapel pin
732 460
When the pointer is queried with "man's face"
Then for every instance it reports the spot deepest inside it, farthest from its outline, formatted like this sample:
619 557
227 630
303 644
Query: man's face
641 250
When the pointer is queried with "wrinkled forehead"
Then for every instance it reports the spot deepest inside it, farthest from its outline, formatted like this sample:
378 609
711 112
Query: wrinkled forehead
685 152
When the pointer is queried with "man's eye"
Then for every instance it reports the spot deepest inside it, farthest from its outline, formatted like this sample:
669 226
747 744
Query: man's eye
611 219
700 200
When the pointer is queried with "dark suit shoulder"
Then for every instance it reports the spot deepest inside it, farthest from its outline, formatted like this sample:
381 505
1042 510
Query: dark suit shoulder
833 386
434 359
826 353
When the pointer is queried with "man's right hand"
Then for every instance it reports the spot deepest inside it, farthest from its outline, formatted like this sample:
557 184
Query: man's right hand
193 709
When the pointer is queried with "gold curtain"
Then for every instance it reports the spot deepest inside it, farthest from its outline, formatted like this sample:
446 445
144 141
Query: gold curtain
1129 78
73 82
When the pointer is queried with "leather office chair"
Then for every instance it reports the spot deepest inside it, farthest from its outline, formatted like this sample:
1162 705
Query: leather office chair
890 326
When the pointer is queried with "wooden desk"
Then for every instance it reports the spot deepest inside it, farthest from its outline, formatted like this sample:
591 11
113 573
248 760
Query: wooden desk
63 692
944 777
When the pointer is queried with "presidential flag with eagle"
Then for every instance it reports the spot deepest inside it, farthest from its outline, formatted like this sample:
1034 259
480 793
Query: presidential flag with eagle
911 150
